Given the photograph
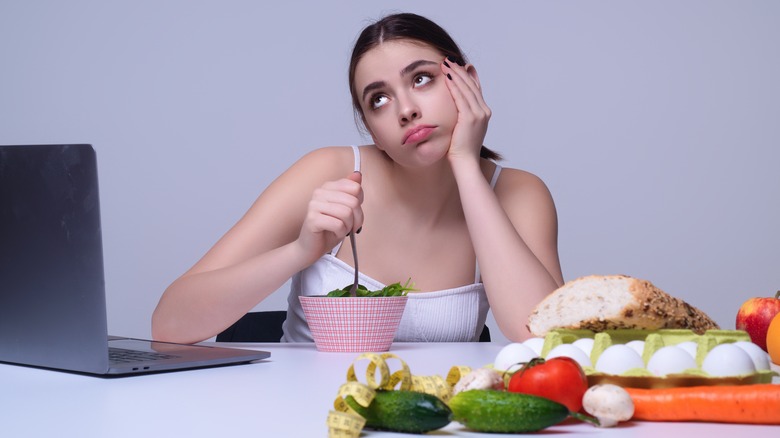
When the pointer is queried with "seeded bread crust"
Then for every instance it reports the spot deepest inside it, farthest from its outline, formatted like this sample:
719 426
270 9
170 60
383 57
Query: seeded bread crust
607 302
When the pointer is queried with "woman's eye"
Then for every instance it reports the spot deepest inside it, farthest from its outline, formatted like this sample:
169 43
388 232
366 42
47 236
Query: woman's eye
422 79
378 101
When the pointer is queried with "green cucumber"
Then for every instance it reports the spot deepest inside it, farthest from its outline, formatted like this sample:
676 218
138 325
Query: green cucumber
507 412
404 411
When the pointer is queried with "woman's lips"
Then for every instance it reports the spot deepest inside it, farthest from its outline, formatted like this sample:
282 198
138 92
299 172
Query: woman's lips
418 134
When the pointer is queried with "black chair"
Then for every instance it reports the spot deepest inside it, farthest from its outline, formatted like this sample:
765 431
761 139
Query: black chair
267 327
256 327
485 335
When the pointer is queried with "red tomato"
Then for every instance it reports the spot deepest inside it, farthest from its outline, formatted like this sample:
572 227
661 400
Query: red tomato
559 379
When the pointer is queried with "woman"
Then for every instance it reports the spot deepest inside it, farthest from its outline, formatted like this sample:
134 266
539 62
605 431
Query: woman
427 202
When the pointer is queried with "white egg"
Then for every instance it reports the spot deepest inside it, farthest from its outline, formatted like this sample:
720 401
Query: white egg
670 360
689 346
535 344
512 355
728 360
638 346
584 344
759 356
571 351
618 359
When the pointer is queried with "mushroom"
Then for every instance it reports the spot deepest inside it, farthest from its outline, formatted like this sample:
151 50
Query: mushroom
480 378
609 403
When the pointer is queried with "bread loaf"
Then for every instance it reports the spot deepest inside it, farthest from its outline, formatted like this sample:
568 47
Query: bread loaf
610 302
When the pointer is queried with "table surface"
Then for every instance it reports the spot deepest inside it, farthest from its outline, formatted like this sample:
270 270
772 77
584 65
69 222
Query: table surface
288 395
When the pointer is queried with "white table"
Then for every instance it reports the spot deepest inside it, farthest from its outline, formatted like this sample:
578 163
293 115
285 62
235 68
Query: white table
288 395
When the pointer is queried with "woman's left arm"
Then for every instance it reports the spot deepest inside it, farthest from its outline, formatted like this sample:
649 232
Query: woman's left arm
514 232
513 227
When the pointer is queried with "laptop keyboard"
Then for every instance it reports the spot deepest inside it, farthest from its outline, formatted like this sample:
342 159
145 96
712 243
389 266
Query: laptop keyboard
122 355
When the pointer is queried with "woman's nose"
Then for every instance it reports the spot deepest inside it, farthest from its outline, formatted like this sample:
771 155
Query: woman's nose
408 111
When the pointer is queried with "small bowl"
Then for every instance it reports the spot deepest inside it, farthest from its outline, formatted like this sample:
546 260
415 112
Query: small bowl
347 324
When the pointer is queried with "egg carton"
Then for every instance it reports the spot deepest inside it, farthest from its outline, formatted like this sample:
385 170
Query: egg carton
653 341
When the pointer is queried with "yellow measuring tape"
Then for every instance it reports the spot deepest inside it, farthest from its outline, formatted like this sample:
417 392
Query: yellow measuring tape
343 422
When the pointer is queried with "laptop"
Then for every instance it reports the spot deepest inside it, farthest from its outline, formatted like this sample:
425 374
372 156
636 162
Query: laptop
52 288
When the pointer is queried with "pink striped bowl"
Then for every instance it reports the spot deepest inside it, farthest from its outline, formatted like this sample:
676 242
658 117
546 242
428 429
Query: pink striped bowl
360 324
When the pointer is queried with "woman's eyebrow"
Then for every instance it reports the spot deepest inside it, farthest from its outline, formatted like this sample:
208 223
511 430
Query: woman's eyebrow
404 71
413 66
371 87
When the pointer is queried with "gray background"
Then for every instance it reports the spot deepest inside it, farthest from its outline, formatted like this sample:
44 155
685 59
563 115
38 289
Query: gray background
654 124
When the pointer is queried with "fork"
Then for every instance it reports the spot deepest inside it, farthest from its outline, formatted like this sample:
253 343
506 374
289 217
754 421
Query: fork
353 289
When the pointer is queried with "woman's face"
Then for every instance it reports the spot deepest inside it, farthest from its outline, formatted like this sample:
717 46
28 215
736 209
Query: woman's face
406 104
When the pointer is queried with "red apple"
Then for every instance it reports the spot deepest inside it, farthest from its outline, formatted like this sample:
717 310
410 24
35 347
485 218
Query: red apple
755 315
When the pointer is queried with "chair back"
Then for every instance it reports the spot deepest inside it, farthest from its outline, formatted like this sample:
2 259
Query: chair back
256 327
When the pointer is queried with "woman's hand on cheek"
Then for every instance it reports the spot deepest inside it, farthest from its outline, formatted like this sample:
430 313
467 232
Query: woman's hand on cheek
473 112
333 211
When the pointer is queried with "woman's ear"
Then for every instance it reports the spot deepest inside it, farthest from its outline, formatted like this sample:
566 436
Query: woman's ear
472 71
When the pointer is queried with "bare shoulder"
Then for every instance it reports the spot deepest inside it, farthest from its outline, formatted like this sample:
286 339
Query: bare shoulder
529 205
516 185
295 185
329 162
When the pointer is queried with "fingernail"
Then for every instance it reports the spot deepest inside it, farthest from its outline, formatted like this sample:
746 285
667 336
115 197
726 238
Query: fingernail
447 65
449 77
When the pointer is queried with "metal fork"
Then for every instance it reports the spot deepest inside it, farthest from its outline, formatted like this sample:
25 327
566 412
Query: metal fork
353 289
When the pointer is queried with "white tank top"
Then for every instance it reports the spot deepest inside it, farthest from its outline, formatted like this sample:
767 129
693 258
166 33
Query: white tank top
450 315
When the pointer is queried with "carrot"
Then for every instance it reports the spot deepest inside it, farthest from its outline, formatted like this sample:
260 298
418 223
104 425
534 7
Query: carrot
752 404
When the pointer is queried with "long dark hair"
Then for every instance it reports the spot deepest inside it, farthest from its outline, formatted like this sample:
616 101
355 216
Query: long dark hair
404 26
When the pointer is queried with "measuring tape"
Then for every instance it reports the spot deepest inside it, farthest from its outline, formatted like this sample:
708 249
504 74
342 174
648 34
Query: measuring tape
343 422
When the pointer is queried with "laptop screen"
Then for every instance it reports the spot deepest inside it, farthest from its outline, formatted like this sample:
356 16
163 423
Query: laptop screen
52 302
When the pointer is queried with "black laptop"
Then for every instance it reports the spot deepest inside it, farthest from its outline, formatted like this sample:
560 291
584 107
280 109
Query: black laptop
52 288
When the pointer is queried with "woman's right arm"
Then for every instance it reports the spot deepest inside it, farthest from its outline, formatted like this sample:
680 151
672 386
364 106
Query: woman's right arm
300 216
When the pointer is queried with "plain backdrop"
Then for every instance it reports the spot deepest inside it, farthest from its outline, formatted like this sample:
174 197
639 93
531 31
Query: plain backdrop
655 124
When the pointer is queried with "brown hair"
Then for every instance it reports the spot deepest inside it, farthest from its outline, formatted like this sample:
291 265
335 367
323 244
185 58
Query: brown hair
409 27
